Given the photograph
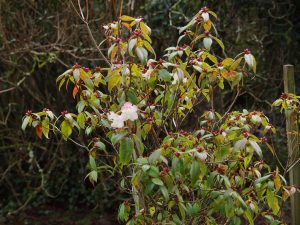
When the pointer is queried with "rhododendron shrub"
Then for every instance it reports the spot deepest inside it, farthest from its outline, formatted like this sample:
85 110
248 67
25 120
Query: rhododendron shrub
137 113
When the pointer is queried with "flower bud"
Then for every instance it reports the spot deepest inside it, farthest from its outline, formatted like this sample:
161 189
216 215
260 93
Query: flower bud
207 42
211 115
205 16
249 58
252 206
201 155
292 190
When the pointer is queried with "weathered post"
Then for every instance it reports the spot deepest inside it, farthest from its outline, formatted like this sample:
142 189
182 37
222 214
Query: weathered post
293 143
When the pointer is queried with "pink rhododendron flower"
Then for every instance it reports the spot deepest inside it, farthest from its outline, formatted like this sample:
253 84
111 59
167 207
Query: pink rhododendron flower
201 155
129 111
117 120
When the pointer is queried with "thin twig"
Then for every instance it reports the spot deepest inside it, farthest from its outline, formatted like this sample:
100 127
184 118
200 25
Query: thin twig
13 88
231 105
85 21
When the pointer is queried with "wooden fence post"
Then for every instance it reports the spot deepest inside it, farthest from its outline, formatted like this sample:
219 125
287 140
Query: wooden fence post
293 143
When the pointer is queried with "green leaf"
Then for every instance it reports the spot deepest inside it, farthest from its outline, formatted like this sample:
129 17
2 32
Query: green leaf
256 148
164 75
61 83
195 171
132 97
139 144
262 179
249 217
126 150
92 163
63 75
94 175
153 171
145 29
45 127
240 144
172 55
226 182
196 209
145 168
203 169
229 208
182 210
239 198
135 70
221 84
192 22
66 129
142 54
213 14
81 120
212 58
165 192
89 83
100 145
155 155
236 63
272 201
80 106
247 160
126 18
114 80
157 181
130 222
115 138
122 215
219 42
149 48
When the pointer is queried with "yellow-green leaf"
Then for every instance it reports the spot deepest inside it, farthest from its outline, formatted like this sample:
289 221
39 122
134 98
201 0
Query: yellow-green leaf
126 18
66 129
277 182
149 47
219 42
227 62
144 28
114 80
236 63
272 201
45 127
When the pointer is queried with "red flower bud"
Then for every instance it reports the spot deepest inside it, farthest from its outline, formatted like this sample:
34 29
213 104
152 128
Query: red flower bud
177 154
76 66
28 113
205 9
63 113
247 51
86 69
